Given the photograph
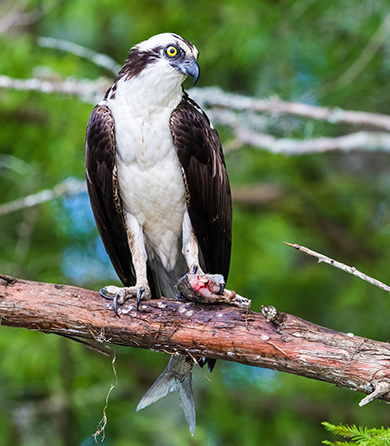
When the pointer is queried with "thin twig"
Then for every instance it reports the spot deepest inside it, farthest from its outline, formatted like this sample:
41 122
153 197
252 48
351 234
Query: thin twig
12 17
101 60
210 97
346 143
70 186
18 16
200 368
85 89
215 97
348 269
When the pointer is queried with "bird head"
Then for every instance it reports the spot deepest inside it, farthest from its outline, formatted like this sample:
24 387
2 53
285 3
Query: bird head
168 55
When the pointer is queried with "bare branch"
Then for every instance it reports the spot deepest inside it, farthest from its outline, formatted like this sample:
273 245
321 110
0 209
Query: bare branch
253 195
70 186
223 111
101 60
348 269
354 141
18 16
12 16
210 97
278 341
86 90
215 97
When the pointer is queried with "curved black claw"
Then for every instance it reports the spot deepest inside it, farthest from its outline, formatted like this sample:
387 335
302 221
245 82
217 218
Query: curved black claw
116 304
180 296
141 290
102 292
194 269
221 288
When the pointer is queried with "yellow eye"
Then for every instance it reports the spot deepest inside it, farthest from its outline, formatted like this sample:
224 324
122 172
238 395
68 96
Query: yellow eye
171 51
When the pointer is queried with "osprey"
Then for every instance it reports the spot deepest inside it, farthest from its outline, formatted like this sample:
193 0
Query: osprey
159 189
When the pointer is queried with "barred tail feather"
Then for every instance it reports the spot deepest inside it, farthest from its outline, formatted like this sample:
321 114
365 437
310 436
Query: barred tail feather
177 376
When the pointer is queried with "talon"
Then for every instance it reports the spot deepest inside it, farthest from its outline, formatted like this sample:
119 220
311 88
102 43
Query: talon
103 292
141 290
179 296
195 269
116 304
221 288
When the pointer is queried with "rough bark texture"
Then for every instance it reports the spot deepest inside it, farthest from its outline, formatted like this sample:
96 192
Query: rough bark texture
269 339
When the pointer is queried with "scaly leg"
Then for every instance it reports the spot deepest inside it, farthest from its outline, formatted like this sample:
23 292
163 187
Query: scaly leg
204 283
141 289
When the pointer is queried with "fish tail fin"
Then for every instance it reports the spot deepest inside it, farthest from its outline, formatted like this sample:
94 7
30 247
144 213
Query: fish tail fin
176 377
186 398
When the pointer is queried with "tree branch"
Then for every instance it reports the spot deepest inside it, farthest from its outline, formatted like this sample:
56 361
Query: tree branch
253 195
86 90
215 97
101 60
223 107
348 269
68 187
368 141
18 16
210 98
269 339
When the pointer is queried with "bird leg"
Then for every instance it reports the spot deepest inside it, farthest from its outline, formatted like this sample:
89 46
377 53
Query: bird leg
198 286
207 283
141 290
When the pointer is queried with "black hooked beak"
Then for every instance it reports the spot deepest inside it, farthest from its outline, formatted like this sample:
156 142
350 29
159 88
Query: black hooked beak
191 68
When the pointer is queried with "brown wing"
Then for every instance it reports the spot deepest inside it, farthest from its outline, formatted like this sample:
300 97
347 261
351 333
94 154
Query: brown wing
100 150
208 192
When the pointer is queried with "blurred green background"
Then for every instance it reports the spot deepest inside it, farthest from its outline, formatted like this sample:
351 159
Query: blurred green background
52 390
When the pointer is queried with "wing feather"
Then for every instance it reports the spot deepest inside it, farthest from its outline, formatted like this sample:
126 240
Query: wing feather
207 185
100 164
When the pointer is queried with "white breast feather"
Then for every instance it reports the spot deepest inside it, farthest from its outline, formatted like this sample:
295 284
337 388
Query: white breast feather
149 172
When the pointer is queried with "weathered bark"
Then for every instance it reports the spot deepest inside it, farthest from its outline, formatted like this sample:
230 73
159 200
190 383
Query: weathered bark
273 340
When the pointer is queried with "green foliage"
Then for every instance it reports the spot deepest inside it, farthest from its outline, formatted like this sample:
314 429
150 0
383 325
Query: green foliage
359 435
